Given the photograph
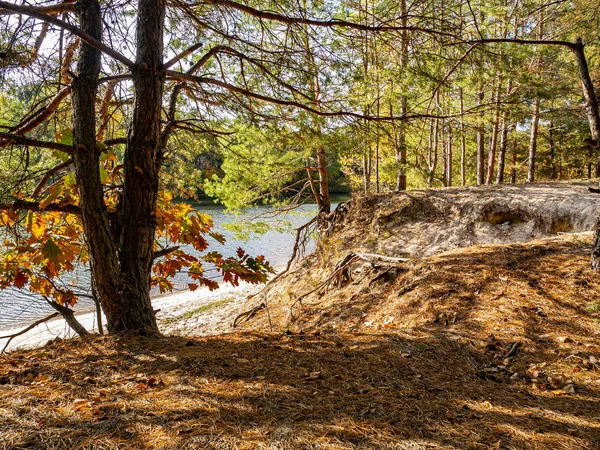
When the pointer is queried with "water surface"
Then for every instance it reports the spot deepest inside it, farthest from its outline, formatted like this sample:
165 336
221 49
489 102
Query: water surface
19 306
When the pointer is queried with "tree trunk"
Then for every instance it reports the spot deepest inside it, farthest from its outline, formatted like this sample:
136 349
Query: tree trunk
591 102
367 169
513 169
503 141
535 120
432 153
401 150
463 148
449 158
552 151
324 200
480 142
142 162
103 254
444 153
377 187
494 138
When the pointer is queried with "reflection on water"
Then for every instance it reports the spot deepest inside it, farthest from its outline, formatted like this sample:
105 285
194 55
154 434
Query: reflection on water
18 306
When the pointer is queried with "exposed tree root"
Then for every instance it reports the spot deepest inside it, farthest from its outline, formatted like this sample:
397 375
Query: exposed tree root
342 273
247 315
302 238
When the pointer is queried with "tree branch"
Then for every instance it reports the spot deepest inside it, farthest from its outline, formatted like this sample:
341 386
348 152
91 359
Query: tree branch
340 113
35 206
115 141
59 8
182 55
25 330
567 44
35 119
321 23
69 316
36 13
23 140
165 251
49 174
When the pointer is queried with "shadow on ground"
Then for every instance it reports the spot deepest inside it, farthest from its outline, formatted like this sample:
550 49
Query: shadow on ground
295 391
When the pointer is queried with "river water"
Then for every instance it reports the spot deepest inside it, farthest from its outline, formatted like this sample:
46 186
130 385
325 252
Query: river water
19 306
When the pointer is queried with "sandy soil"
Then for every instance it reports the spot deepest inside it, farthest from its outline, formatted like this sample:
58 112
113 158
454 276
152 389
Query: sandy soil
200 312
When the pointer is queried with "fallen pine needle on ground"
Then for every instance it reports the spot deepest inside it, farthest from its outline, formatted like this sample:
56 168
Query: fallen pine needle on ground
489 347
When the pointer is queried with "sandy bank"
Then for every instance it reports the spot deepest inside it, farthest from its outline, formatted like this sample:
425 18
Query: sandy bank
176 314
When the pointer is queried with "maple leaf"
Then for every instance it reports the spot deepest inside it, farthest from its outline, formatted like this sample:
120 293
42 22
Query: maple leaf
50 250
20 279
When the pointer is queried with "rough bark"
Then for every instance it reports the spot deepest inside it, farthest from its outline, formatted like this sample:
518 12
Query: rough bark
494 138
463 143
535 120
103 255
324 200
401 148
142 162
480 143
591 102
506 126
449 158
513 168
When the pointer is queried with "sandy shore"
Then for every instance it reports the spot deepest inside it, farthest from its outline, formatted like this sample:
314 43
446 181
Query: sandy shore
201 312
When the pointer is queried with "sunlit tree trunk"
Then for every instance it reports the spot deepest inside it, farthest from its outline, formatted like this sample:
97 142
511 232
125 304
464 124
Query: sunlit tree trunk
432 154
142 162
593 114
513 161
480 141
589 93
401 148
449 157
463 143
122 256
322 195
552 151
506 126
102 249
535 117
494 137
535 120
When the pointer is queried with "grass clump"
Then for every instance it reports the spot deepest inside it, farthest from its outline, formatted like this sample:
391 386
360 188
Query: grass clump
201 309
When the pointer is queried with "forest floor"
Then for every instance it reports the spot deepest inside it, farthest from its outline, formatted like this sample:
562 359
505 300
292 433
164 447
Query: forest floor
492 346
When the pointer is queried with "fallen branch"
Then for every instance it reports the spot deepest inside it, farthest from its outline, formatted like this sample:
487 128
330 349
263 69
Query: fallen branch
25 330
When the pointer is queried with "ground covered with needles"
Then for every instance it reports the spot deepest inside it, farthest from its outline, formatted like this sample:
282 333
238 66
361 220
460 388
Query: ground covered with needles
491 346
514 368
